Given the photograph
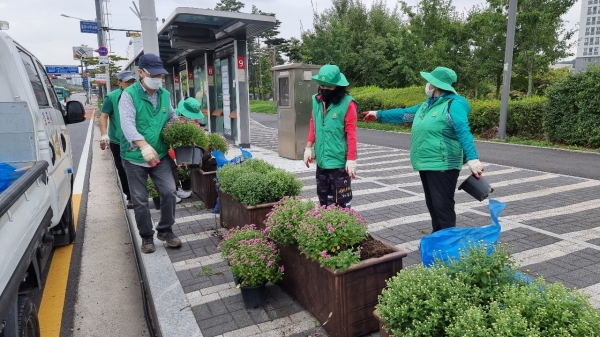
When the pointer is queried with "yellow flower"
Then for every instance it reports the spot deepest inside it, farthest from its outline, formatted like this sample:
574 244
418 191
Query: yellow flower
238 286
488 272
333 249
338 247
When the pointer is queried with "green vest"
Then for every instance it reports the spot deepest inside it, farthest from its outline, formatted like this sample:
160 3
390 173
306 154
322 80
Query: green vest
331 145
114 127
434 146
149 122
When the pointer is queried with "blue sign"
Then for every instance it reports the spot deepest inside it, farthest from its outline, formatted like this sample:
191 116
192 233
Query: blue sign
85 83
103 51
62 69
88 27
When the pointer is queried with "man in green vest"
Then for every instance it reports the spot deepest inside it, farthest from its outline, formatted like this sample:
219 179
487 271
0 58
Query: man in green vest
332 132
145 109
110 112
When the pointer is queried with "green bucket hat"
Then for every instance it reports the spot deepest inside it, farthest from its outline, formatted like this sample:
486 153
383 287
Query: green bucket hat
190 108
330 75
441 78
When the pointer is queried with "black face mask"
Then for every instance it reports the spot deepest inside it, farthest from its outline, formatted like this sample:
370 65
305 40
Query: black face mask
327 95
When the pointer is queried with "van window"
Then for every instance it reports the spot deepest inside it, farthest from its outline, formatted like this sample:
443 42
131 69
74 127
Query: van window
34 78
46 80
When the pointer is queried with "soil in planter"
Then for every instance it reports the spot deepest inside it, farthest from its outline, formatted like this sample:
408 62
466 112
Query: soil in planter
372 248
209 165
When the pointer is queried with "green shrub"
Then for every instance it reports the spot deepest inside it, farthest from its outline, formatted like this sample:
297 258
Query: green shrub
283 184
228 175
267 107
480 321
184 132
217 142
250 189
257 165
152 190
572 115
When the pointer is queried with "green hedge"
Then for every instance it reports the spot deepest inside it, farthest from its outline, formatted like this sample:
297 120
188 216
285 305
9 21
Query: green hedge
266 107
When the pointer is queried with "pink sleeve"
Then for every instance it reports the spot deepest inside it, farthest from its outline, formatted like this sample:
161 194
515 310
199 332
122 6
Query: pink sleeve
311 131
350 128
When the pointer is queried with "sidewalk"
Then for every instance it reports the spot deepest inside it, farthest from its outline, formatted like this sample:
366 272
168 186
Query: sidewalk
550 219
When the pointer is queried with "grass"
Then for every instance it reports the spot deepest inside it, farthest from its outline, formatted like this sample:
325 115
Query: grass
265 107
208 272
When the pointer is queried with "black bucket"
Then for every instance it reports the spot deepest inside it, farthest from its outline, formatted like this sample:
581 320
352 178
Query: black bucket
254 296
189 155
156 202
477 188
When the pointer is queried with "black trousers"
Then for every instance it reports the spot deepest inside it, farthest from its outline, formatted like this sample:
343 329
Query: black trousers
439 187
116 152
334 187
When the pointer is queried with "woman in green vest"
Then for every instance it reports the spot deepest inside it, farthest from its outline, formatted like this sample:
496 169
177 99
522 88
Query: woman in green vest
441 139
332 137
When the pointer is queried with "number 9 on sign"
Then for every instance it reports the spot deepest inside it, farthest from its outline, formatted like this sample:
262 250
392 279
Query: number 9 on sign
241 62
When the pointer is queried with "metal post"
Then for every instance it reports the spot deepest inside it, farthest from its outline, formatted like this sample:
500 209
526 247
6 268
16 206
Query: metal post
149 31
102 37
87 98
508 58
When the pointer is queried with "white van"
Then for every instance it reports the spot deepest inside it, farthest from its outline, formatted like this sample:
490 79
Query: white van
36 210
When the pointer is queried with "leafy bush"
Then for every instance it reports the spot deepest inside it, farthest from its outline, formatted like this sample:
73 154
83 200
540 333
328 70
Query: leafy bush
152 190
217 142
283 220
282 183
184 132
572 115
235 235
479 321
258 166
256 262
184 173
267 107
250 189
331 235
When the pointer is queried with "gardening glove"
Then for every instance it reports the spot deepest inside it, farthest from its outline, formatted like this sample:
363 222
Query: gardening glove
351 168
369 116
476 167
309 155
150 155
104 141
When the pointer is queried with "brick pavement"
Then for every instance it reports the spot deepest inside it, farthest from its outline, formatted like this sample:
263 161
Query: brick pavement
552 222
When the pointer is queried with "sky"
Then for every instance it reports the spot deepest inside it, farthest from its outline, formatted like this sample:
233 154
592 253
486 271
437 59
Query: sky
38 26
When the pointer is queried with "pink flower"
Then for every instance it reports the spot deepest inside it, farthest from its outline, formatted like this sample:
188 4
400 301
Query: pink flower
324 254
330 230
294 216
262 257
270 263
281 269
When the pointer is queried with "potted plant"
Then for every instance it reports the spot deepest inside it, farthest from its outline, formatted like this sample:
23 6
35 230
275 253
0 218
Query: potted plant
255 262
184 177
248 191
334 268
153 193
204 179
235 235
187 139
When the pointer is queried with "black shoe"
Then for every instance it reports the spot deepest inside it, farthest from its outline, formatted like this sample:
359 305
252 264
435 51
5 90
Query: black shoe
129 204
148 245
171 239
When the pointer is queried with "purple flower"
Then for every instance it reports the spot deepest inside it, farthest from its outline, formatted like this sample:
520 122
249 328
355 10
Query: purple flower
281 269
330 229
270 263
294 216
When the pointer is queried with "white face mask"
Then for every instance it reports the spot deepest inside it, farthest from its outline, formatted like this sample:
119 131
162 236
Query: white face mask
153 83
429 92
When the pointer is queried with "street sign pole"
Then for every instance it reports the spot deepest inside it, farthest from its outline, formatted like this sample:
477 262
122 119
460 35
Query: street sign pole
149 32
508 60
102 37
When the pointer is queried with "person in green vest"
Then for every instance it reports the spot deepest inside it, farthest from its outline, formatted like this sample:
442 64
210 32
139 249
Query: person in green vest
145 109
441 142
332 137
112 138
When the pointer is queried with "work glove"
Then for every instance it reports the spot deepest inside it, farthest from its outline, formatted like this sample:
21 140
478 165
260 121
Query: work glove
104 141
309 155
476 167
150 155
351 168
369 116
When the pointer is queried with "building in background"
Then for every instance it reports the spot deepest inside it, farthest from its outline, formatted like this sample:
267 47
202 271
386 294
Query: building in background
588 49
135 46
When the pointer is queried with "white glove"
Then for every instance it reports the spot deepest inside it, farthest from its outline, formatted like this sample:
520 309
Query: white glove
150 155
369 116
309 155
104 140
351 168
476 167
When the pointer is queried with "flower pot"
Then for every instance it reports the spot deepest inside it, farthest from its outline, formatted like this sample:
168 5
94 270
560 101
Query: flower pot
382 332
236 280
156 202
186 185
477 188
189 155
254 296
234 213
345 300
204 186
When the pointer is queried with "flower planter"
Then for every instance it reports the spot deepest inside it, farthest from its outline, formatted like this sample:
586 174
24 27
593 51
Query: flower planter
204 185
189 155
345 300
234 213
186 185
156 202
382 332
254 297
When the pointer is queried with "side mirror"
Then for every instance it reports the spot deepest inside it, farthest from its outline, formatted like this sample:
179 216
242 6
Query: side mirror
75 112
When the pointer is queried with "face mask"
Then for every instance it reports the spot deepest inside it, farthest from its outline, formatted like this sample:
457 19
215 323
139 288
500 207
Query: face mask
429 92
153 83
327 95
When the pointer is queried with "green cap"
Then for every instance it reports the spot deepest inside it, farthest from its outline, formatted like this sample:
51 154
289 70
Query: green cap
441 78
190 108
330 75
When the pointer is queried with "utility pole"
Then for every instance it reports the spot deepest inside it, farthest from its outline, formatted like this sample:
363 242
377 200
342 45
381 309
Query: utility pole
508 60
102 36
149 31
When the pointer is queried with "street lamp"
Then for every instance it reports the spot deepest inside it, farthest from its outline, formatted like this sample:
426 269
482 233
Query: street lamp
72 17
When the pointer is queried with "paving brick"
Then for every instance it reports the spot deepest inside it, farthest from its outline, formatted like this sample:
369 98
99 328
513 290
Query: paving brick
201 312
228 324
217 307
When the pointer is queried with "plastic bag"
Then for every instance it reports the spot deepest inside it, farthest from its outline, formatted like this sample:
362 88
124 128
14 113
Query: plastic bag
446 243
8 175
222 161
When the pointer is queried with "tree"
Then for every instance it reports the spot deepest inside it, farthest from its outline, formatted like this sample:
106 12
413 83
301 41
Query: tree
113 68
229 6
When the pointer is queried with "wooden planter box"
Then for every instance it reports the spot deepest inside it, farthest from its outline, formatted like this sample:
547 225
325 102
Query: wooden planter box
204 186
382 332
344 300
234 213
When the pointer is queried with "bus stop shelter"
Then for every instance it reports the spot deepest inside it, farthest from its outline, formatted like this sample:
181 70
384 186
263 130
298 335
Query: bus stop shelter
205 53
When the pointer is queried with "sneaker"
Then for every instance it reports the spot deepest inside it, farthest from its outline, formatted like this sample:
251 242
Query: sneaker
177 199
183 194
171 239
129 204
148 245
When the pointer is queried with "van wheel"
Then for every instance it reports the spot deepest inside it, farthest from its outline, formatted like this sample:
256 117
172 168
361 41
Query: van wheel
66 227
29 326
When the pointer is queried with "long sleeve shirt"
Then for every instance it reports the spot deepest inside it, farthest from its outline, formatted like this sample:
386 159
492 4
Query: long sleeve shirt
349 128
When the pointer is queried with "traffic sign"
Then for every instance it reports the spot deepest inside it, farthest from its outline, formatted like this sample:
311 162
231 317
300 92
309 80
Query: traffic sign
88 27
85 83
102 60
62 69
133 34
82 52
103 51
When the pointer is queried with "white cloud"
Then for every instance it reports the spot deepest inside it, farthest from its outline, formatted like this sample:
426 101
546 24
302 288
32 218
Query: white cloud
38 26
